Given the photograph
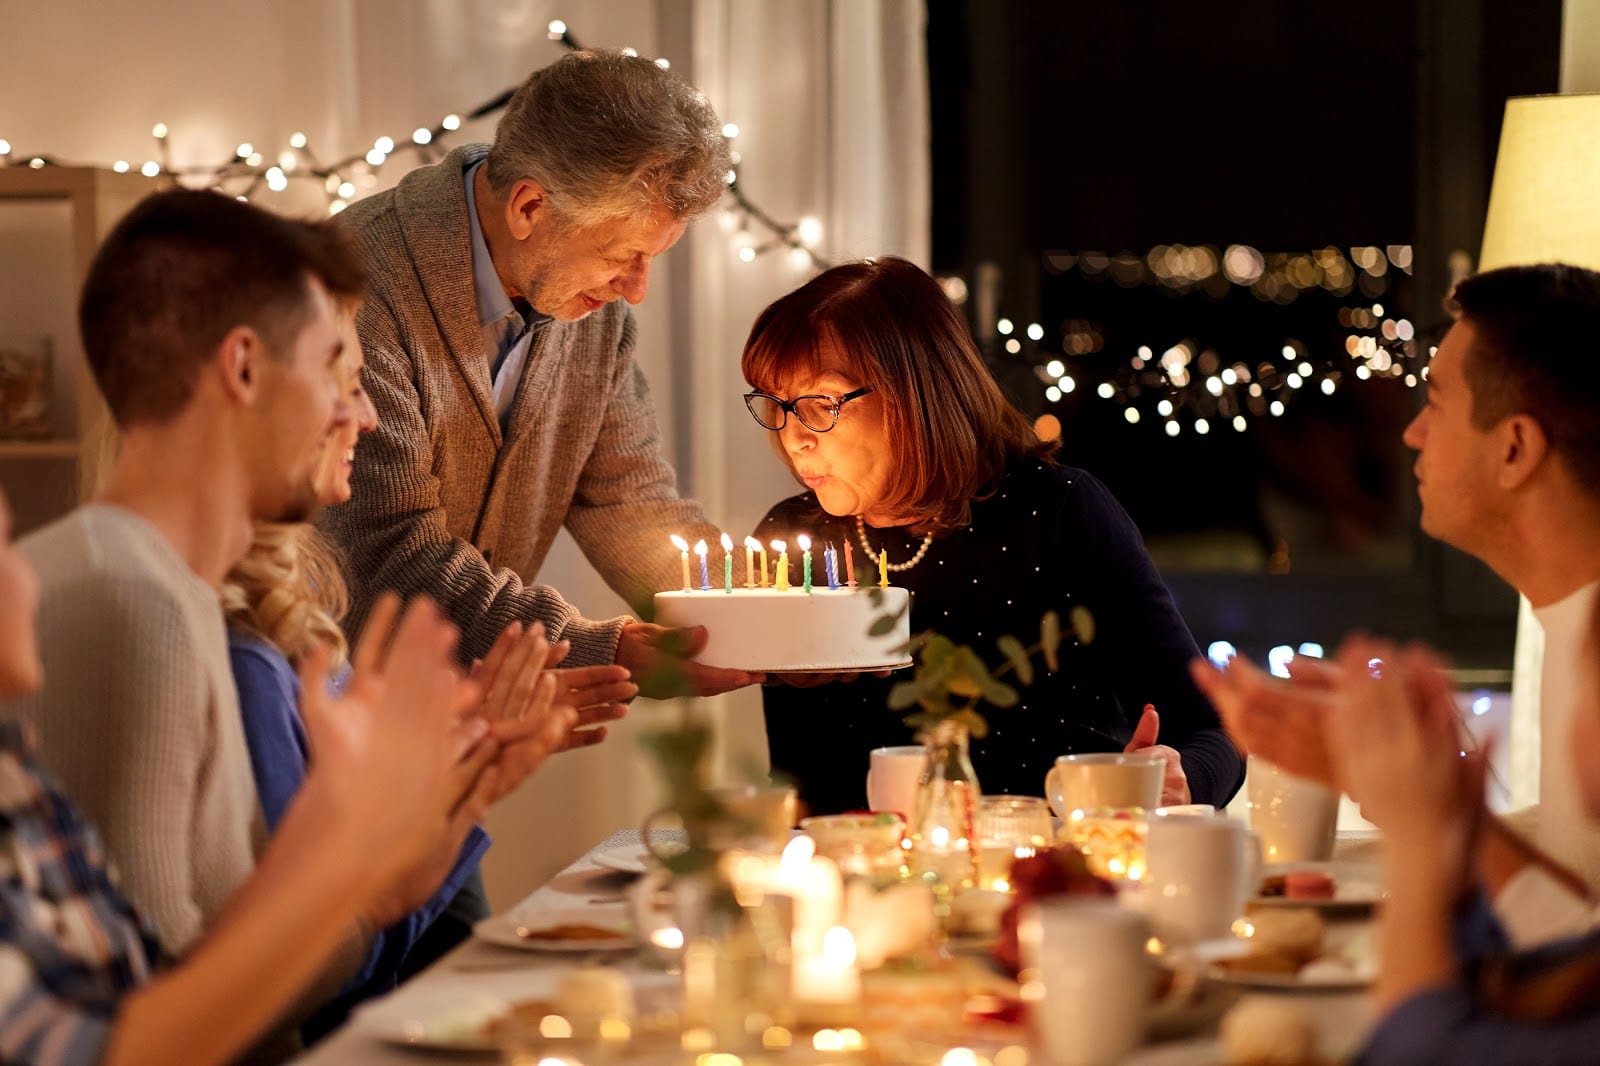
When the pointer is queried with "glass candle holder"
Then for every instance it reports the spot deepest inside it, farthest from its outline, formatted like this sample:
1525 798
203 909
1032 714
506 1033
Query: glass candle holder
1009 828
1111 839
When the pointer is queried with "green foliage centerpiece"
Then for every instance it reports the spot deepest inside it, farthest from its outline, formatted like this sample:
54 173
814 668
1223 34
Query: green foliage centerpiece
947 684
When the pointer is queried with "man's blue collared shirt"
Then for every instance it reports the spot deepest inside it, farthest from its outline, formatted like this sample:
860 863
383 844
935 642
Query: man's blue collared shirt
507 326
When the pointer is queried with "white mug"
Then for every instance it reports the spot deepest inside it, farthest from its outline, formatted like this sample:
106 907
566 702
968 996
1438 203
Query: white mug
1295 818
1089 957
1199 872
1104 780
892 779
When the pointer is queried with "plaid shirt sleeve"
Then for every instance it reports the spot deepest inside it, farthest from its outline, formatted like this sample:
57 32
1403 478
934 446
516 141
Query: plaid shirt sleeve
70 945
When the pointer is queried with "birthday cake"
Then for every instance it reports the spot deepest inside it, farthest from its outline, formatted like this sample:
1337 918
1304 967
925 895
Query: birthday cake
770 630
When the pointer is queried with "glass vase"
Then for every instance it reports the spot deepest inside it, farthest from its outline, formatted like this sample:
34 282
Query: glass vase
943 831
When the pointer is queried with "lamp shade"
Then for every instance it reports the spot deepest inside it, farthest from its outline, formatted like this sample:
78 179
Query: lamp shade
1544 206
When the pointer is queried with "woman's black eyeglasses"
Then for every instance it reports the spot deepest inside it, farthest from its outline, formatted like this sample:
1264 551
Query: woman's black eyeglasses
817 413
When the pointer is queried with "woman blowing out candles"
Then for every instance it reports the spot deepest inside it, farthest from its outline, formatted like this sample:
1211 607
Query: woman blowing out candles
882 407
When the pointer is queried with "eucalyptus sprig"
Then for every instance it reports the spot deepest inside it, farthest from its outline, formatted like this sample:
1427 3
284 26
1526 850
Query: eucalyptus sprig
950 679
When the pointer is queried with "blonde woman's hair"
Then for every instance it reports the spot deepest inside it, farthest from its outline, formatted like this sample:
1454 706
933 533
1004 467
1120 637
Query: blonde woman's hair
289 590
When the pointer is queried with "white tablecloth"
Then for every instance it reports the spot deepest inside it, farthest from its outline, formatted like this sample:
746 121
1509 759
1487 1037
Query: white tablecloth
478 972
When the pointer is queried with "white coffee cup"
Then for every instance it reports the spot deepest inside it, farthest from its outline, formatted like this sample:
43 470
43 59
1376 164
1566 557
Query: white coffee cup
1104 779
892 779
1199 871
1089 956
1295 818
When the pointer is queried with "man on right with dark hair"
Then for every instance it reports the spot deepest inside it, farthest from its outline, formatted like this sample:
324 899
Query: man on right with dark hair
1508 469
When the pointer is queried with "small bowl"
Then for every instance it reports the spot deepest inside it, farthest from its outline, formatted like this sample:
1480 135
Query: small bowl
859 843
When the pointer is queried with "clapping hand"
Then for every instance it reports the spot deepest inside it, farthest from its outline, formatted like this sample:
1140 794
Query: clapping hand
1283 722
535 711
1396 735
402 771
1174 782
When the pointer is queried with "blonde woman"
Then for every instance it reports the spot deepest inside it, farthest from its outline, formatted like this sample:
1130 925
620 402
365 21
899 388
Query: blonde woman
284 600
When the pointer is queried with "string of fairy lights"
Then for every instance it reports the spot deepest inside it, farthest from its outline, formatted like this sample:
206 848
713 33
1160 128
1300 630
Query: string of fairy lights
753 231
1187 387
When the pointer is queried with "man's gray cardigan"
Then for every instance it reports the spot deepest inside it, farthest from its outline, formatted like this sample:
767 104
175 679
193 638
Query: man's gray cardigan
443 502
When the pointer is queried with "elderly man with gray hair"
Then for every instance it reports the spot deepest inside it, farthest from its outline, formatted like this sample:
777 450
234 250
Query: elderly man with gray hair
500 360
500 355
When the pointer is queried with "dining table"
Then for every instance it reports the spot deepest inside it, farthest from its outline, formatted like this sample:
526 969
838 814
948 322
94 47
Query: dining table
403 1027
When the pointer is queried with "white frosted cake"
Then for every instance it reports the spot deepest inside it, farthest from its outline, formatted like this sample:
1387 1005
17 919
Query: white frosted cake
767 630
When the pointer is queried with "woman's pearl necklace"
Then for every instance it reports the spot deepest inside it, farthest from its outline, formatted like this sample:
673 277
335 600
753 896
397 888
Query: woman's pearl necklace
861 534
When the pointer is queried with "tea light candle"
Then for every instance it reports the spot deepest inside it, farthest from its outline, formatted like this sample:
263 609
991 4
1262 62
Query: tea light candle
727 564
705 575
849 565
805 548
683 546
781 581
750 545
828 977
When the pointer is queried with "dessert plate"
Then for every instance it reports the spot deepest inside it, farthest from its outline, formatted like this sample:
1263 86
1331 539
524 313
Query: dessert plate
1357 887
554 932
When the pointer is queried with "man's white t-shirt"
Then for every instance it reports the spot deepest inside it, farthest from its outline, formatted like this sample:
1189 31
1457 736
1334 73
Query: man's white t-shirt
1533 907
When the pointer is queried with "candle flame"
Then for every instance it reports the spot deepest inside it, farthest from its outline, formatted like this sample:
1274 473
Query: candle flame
699 547
797 855
804 542
779 546
752 543
679 543
727 543
839 947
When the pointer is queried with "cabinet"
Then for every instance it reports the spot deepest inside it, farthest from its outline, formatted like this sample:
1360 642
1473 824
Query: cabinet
51 221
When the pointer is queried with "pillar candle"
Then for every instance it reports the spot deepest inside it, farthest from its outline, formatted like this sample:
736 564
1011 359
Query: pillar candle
849 565
805 568
750 545
781 580
705 575
683 546
727 563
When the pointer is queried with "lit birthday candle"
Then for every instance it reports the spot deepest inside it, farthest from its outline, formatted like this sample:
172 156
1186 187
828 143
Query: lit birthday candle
781 581
764 582
849 565
705 575
727 563
750 545
805 548
683 546
883 568
830 560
